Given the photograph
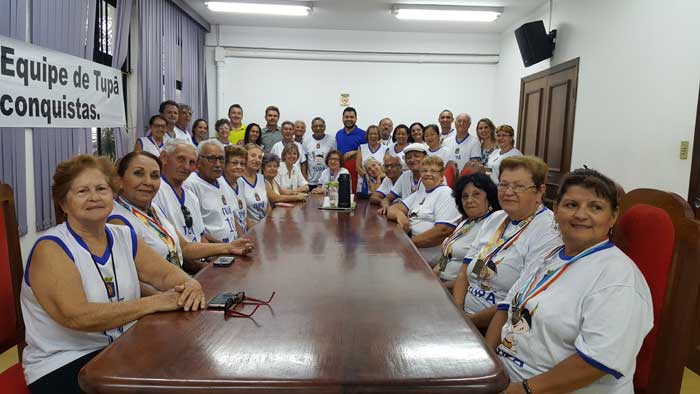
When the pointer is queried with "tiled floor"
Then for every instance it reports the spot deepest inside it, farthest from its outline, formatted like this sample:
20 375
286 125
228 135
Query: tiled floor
691 381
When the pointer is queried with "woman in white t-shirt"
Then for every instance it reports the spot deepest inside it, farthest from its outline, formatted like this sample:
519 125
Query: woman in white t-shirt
289 174
155 140
509 242
223 130
400 141
575 324
485 130
431 134
80 289
334 167
252 186
373 178
506 141
372 149
476 198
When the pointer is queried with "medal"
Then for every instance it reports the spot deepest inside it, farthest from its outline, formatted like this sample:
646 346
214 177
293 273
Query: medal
223 199
109 285
484 273
318 146
478 268
515 316
442 263
173 258
240 204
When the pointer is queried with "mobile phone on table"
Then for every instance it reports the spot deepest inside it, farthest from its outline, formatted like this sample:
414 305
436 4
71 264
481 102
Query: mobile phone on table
220 300
224 261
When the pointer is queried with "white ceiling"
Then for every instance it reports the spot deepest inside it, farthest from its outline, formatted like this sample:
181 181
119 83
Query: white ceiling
374 15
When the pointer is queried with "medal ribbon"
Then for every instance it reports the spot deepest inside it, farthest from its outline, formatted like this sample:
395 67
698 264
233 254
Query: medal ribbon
551 277
154 225
506 243
459 232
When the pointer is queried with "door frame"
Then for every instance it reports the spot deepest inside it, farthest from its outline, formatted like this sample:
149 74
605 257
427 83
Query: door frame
694 181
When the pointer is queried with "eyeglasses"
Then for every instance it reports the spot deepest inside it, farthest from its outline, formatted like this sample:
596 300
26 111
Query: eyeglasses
389 166
237 163
427 171
213 159
517 189
187 215
240 299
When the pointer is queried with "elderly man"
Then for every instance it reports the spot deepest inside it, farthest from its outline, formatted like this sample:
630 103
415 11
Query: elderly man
350 137
392 169
235 118
288 138
409 181
184 118
464 149
445 119
170 111
386 128
271 132
299 131
317 147
174 201
216 210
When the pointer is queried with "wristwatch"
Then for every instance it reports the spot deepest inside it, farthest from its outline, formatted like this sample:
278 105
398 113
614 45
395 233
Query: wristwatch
526 387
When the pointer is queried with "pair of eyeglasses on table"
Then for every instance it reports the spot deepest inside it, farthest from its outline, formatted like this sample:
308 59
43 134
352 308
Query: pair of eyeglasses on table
240 298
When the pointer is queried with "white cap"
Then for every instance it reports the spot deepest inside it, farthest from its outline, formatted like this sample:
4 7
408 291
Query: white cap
416 147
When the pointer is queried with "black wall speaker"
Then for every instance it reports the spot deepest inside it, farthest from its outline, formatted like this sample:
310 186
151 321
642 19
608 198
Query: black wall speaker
534 42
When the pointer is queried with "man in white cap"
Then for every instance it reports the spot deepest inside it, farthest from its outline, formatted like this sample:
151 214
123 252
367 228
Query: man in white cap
409 182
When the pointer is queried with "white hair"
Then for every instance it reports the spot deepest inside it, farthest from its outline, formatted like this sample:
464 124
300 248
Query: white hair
172 144
211 141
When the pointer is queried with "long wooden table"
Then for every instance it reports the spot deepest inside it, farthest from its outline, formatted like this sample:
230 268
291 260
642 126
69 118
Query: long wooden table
357 310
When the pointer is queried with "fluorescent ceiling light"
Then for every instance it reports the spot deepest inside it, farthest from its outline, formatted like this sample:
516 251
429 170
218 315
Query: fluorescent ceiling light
446 13
293 8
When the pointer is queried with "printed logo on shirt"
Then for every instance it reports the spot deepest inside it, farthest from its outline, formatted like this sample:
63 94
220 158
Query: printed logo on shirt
240 204
489 296
518 362
257 198
223 200
520 324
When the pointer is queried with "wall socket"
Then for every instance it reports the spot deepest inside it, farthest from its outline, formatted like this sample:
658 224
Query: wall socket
684 150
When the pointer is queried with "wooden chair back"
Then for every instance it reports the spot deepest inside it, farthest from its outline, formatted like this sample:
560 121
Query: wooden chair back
11 272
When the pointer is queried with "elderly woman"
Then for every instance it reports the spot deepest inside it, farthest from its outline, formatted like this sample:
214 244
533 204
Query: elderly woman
334 167
577 321
81 285
508 242
200 131
223 131
431 134
236 157
485 130
289 174
155 139
252 186
429 215
476 198
275 193
138 180
252 135
373 178
506 142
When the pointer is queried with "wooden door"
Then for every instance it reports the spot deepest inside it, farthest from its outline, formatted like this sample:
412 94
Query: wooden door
694 200
546 119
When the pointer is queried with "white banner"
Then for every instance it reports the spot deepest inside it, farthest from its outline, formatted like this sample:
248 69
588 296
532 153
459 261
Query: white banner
44 88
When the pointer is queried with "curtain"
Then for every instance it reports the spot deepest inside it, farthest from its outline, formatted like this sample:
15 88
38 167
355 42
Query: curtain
150 72
13 23
119 52
169 37
69 27
193 67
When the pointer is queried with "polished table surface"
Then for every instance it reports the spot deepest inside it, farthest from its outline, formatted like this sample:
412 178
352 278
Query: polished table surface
357 310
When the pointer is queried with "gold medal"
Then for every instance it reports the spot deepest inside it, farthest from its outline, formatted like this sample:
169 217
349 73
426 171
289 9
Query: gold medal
515 316
240 204
173 258
442 263
478 268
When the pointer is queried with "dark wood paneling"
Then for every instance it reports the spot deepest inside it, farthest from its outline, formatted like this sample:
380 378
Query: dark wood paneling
694 200
357 310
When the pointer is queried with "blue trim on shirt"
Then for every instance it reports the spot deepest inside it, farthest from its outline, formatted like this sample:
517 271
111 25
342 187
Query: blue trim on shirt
53 238
433 189
180 200
215 184
448 224
380 193
122 218
134 242
253 185
503 307
101 260
404 204
395 195
596 364
465 138
467 260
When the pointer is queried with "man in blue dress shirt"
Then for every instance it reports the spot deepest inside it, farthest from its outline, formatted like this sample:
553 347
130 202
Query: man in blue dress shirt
350 137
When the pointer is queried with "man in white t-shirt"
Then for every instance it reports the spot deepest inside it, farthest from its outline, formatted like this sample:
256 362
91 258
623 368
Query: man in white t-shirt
464 149
445 119
316 148
386 127
183 122
217 212
392 170
175 202
170 111
409 182
287 131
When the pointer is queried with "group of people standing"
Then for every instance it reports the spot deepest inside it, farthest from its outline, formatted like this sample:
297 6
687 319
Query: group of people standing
564 309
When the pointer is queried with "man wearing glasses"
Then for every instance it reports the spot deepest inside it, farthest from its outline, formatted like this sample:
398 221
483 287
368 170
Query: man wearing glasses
175 202
207 184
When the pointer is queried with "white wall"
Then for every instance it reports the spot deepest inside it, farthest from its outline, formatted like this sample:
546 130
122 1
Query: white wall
637 90
302 89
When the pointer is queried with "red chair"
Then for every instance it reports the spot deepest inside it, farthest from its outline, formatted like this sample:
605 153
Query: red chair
450 175
351 166
657 231
11 324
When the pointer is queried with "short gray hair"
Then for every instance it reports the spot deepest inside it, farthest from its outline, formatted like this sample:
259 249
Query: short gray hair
173 143
184 107
270 158
210 141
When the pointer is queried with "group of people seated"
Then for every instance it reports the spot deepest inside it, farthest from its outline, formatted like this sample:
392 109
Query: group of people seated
563 308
